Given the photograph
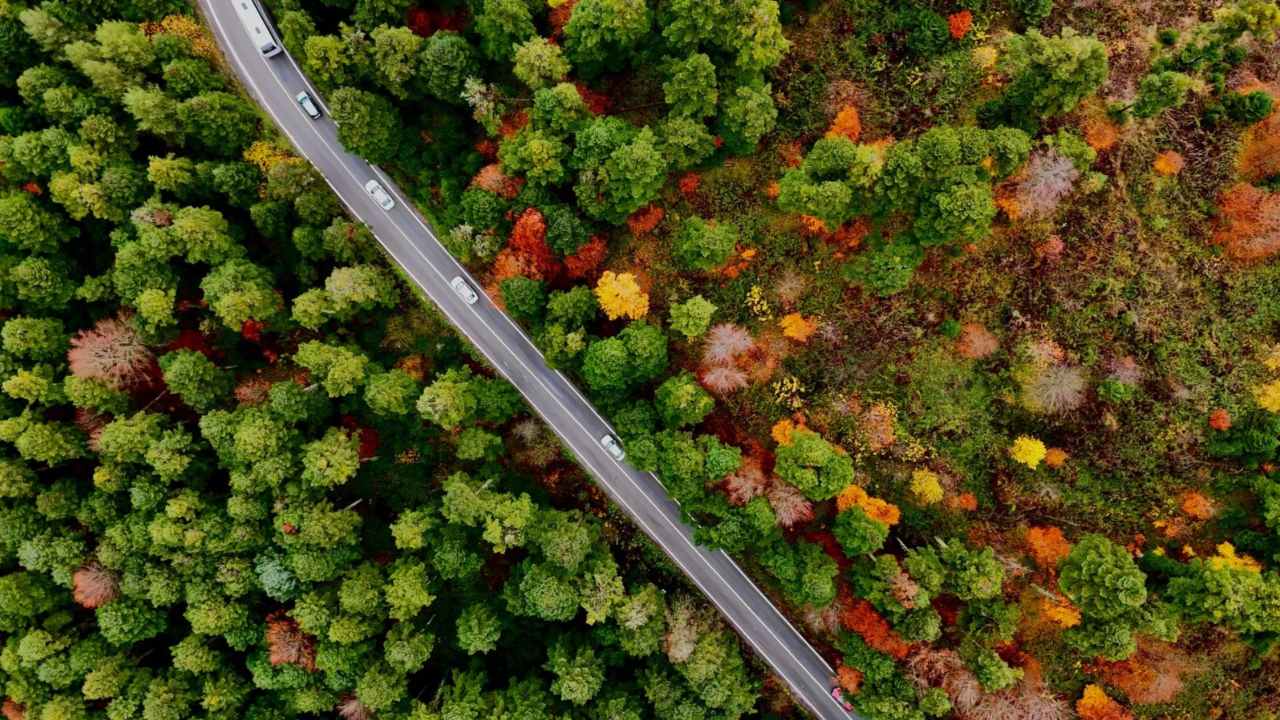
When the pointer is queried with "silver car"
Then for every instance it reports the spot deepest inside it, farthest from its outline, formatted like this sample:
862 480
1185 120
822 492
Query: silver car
464 290
308 105
379 195
613 447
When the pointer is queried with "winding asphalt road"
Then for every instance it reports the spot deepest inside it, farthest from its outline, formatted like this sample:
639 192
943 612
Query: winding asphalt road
404 233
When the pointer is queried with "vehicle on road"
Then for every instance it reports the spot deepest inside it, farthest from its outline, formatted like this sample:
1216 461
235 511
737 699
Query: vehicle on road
308 105
379 195
256 26
837 694
464 290
613 447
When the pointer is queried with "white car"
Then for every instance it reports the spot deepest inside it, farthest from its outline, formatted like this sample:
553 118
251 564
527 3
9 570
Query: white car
464 290
613 447
379 195
308 105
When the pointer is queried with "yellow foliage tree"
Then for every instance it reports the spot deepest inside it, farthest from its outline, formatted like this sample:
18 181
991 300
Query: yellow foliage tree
926 488
1268 396
620 296
1028 451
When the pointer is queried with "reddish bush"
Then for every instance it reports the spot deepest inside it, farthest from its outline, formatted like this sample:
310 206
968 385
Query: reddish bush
287 644
597 102
559 16
644 220
1220 420
789 504
112 351
976 342
93 586
959 23
747 482
350 708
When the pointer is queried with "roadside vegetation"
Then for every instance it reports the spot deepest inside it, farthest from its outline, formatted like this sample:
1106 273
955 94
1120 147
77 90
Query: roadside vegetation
954 321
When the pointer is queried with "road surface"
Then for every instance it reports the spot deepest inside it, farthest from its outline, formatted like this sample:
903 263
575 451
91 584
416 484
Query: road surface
275 83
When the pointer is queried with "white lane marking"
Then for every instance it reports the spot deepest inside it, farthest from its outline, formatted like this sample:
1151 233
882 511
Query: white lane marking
530 371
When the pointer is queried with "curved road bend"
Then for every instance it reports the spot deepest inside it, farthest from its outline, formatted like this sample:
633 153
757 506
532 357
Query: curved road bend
404 233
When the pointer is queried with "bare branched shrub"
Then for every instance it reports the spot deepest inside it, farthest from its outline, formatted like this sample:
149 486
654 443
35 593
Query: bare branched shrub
93 586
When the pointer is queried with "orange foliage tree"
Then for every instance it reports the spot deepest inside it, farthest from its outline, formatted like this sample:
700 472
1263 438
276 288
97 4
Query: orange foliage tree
859 616
1047 546
1248 223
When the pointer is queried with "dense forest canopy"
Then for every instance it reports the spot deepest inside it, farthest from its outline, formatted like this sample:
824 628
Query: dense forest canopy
954 321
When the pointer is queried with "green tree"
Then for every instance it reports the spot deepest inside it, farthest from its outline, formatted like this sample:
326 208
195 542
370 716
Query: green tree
238 291
525 299
746 115
450 400
692 317
218 122
391 393
339 370
479 628
34 338
690 88
503 24
368 124
397 52
701 245
603 30
817 468
1050 76
539 63
447 61
1160 91
332 460
194 378
681 401
579 673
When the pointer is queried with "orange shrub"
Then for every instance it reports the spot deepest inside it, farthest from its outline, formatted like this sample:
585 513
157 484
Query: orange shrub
1197 506
1095 704
797 327
1220 420
1169 162
1055 457
960 23
848 123
1260 151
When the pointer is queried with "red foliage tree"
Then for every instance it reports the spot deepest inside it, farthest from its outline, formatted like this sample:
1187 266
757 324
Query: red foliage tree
584 262
529 241
12 710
